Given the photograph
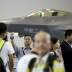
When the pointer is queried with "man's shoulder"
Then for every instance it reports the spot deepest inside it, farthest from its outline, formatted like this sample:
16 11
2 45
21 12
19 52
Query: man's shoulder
7 43
5 46
28 57
8 47
24 61
64 43
65 47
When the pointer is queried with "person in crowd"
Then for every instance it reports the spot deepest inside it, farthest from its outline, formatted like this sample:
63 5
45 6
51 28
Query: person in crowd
40 59
7 50
67 50
55 45
20 52
27 43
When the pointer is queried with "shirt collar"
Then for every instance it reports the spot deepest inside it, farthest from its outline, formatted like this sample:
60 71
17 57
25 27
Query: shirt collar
27 48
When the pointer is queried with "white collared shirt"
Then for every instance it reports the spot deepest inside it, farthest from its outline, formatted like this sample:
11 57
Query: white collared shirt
6 51
24 61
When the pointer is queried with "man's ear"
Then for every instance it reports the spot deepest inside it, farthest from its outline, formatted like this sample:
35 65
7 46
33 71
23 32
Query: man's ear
2 35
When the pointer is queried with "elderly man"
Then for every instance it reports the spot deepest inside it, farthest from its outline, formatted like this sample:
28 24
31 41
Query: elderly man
40 58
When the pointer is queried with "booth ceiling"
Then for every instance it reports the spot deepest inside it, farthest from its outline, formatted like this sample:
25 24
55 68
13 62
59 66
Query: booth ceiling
18 8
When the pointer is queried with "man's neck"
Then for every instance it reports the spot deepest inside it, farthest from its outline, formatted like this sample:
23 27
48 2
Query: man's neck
27 46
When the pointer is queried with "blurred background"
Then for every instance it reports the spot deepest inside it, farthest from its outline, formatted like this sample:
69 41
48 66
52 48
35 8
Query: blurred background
26 17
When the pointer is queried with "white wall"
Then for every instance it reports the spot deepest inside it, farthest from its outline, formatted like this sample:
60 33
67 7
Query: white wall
18 8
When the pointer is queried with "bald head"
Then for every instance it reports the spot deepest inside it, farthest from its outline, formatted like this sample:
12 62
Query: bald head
42 35
42 40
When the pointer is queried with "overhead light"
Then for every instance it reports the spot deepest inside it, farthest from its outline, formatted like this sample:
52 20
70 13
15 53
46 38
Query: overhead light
5 21
48 9
51 11
31 14
42 13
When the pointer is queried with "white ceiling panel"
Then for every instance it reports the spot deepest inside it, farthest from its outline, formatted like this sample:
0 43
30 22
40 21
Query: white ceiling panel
18 8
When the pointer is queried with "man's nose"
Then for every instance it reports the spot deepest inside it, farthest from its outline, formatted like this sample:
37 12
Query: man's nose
41 44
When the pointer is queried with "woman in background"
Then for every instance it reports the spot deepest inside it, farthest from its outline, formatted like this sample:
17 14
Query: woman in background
55 45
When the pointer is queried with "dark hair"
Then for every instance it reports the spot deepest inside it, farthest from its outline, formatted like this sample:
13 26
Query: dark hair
28 35
6 39
54 40
3 28
68 33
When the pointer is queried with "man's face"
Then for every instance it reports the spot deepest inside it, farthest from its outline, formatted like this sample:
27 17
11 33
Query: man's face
4 35
70 38
42 41
28 40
